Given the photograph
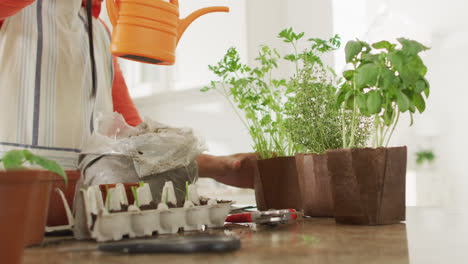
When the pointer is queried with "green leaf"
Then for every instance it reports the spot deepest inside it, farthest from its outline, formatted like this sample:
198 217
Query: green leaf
420 86
205 89
352 49
388 116
411 47
13 160
397 59
426 91
366 75
348 75
374 102
49 165
419 102
368 57
384 45
403 101
387 78
349 104
362 101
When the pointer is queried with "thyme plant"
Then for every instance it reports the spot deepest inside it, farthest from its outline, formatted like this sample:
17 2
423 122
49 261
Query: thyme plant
386 80
314 122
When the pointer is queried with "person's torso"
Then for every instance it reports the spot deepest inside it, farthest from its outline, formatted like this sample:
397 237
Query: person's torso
46 81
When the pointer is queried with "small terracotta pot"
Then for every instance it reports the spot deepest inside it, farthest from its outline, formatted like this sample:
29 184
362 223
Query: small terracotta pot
277 184
16 195
369 185
315 184
37 213
128 191
57 215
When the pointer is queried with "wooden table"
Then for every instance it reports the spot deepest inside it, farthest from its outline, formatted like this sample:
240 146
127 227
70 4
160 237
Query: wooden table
430 235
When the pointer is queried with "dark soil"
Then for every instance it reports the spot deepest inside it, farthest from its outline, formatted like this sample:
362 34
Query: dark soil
223 201
203 201
151 206
124 209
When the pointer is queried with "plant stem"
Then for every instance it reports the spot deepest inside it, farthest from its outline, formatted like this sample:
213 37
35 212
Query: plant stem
393 129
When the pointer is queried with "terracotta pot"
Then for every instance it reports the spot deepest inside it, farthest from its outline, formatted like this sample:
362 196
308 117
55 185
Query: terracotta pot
19 198
128 191
277 184
57 215
369 185
37 213
315 184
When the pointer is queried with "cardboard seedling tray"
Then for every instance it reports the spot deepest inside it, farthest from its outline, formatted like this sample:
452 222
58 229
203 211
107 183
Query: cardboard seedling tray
105 226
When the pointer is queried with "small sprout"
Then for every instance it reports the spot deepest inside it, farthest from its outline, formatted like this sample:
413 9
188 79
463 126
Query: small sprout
108 198
142 183
135 195
167 197
186 191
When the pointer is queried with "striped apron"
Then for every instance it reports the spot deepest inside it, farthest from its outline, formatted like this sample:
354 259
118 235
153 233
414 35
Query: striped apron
46 81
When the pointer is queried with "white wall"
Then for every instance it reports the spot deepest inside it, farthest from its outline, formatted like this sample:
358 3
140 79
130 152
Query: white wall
442 25
207 39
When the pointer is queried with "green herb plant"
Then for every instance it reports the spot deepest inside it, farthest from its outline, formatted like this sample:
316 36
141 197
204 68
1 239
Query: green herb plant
424 156
387 79
313 120
16 159
261 98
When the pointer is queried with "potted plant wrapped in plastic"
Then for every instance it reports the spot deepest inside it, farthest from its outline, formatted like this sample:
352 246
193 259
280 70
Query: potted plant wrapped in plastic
24 200
387 80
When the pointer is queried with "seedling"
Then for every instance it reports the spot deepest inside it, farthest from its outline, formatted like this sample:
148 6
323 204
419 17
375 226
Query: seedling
186 191
16 159
135 195
108 196
387 79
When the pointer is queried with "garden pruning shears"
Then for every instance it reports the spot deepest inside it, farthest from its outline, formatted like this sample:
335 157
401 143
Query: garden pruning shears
264 217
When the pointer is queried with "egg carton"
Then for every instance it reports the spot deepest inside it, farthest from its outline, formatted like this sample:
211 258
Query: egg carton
114 219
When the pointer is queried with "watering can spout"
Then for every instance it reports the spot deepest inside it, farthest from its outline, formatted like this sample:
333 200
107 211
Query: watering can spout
184 23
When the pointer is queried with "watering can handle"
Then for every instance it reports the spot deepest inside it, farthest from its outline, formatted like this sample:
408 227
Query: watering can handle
113 11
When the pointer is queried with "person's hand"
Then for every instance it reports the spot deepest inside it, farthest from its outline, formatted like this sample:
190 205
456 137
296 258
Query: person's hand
237 170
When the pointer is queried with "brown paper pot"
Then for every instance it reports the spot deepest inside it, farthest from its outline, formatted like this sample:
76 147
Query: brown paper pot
37 213
277 184
315 184
369 185
57 215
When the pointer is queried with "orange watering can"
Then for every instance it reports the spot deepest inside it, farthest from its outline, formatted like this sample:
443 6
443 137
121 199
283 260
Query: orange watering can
149 30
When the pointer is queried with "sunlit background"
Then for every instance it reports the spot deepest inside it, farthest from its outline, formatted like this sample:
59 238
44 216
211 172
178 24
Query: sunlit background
171 94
